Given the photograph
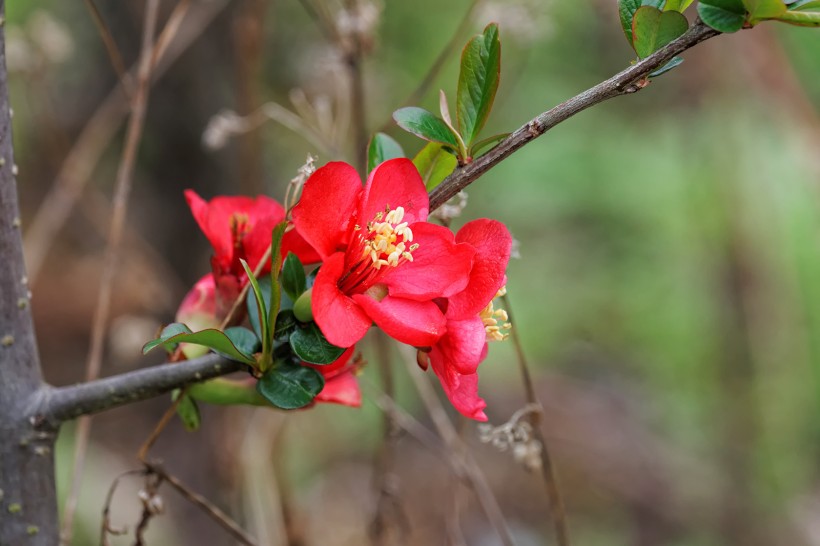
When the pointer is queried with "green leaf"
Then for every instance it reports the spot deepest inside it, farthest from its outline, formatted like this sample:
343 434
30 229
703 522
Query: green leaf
801 18
804 4
652 29
673 62
293 276
723 15
227 392
253 310
244 339
627 9
290 386
434 164
310 345
211 338
380 149
677 5
484 142
764 9
478 82
275 269
425 125
188 411
285 324
261 311
167 333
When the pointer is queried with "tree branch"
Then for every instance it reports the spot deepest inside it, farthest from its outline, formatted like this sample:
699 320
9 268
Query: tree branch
70 402
625 82
65 403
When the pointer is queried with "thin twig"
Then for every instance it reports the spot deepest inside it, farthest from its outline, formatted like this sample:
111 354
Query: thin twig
354 57
223 519
120 208
445 428
105 524
98 133
111 48
557 510
388 508
625 82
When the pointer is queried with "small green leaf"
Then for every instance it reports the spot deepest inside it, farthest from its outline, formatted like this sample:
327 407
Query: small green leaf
801 18
434 164
276 267
673 62
484 142
425 125
253 309
211 338
652 29
627 9
188 411
310 345
244 339
804 4
290 386
723 15
764 9
227 392
293 276
167 333
677 5
261 310
478 82
285 324
380 149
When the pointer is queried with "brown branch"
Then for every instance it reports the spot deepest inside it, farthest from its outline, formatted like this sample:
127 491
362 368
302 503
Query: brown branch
625 82
111 48
122 191
557 511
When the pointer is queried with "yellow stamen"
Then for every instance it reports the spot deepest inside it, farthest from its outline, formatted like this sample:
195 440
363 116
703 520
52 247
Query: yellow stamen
495 321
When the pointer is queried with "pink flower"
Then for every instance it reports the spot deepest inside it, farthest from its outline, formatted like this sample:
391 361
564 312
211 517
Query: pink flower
471 317
382 261
240 228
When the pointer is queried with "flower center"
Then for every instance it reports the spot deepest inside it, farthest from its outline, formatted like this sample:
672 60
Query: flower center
386 242
240 226
496 320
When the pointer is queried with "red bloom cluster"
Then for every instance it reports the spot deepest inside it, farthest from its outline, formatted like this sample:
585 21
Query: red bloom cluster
381 262
240 228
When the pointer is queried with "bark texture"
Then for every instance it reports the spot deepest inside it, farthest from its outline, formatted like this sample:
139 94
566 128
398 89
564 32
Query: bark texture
28 505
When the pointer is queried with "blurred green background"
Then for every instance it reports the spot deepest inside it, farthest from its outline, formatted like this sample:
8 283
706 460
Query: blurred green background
666 291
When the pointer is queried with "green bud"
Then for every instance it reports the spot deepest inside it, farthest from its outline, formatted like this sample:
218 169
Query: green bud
302 309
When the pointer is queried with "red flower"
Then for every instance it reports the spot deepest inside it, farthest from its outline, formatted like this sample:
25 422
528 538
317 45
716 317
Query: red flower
240 228
341 385
383 262
471 318
198 312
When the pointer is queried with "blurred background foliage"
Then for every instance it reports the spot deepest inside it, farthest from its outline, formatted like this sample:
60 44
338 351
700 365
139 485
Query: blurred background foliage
666 291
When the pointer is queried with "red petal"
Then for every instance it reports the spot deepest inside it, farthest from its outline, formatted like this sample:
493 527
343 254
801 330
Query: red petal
340 318
493 244
462 347
342 389
328 202
264 214
395 183
417 323
294 242
461 390
220 239
440 267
